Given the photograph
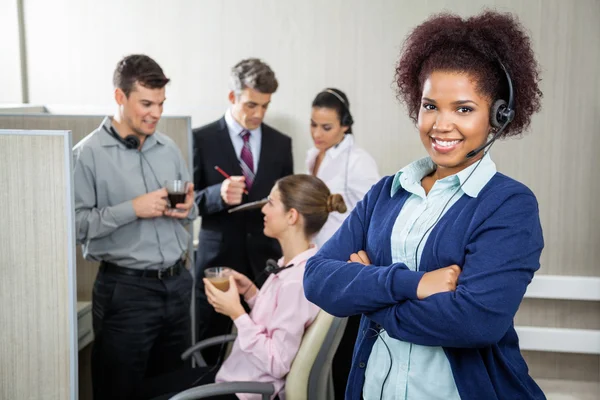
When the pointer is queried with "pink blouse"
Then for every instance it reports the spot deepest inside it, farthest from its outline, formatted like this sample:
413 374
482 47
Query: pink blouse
268 339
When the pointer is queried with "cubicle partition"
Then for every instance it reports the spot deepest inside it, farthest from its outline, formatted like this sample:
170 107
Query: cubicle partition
38 332
22 109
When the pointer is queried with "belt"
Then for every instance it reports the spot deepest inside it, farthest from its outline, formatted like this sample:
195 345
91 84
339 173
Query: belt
173 270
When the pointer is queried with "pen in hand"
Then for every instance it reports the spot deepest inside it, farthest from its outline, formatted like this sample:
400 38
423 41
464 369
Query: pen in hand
226 175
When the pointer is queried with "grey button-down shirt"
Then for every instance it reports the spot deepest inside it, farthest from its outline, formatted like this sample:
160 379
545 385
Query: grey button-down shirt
108 176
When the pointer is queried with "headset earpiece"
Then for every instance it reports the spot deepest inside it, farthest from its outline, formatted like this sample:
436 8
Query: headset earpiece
500 114
496 115
346 118
131 142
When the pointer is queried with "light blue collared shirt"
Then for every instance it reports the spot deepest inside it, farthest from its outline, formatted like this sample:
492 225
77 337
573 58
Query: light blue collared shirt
235 129
420 372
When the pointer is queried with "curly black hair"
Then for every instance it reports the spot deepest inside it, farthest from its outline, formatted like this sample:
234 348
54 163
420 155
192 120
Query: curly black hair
476 46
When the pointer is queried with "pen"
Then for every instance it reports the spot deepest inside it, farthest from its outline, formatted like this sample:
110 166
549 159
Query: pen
219 170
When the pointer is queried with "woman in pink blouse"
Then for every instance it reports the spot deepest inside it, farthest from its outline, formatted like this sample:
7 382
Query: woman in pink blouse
269 336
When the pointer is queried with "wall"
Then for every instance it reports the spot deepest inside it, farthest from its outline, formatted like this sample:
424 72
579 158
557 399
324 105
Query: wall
10 78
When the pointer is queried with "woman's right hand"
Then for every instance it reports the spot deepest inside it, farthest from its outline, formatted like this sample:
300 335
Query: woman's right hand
245 286
438 281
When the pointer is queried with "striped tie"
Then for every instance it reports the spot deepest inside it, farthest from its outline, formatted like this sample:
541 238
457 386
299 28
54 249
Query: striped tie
247 161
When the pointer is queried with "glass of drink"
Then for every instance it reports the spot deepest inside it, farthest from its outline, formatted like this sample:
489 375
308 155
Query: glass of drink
219 277
176 191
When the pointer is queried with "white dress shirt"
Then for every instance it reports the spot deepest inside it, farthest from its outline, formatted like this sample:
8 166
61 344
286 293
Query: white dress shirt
255 141
348 170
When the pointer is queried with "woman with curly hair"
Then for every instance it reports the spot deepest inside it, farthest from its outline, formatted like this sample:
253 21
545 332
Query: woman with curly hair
437 258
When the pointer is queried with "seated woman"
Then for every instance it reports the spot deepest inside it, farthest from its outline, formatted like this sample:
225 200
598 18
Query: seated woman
269 337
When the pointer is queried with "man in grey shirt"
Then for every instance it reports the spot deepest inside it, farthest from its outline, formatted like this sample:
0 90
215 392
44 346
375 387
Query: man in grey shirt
142 292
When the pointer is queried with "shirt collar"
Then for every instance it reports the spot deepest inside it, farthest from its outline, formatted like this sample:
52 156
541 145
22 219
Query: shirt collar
410 176
299 259
106 139
333 151
235 128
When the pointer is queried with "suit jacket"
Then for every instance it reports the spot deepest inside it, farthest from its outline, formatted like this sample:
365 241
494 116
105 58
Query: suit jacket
235 240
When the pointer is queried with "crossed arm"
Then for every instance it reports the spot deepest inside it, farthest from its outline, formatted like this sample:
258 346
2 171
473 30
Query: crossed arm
501 258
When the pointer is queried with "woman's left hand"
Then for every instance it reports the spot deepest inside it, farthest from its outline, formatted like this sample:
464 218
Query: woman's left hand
226 303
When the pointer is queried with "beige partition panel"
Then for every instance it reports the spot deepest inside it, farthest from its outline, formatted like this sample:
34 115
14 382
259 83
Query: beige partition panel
177 128
22 109
38 336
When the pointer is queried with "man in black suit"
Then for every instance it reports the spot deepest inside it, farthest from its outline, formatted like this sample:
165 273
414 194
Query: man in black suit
256 156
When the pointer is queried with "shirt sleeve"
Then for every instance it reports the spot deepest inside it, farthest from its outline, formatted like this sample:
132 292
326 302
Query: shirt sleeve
363 175
501 259
273 349
93 222
252 300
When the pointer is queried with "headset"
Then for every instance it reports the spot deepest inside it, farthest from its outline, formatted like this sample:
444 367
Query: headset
130 141
346 117
501 114
345 120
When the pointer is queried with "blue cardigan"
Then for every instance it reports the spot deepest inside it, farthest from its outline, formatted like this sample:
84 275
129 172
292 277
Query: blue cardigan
497 240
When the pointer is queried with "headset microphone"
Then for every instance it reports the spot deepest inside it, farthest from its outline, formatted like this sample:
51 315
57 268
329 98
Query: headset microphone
273 268
271 265
473 153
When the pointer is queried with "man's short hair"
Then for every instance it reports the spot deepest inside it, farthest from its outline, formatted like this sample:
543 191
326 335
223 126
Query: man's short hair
141 69
254 74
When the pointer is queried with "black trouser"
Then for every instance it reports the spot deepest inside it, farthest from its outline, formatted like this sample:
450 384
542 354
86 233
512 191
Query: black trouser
141 327
342 361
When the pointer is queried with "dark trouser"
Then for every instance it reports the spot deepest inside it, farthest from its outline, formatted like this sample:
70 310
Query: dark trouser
141 327
342 361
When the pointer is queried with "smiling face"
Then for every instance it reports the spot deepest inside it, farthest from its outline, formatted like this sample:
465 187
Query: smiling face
453 120
141 110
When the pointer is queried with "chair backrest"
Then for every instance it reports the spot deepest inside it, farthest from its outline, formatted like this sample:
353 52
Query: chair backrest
309 376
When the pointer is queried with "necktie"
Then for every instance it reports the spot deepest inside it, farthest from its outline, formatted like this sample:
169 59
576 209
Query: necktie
247 161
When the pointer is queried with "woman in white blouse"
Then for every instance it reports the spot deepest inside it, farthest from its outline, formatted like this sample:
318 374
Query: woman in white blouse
335 158
346 169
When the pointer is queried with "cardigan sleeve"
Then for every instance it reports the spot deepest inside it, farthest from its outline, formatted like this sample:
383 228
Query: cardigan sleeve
501 258
342 288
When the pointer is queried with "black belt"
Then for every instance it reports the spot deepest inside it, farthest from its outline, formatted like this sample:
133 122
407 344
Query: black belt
173 270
